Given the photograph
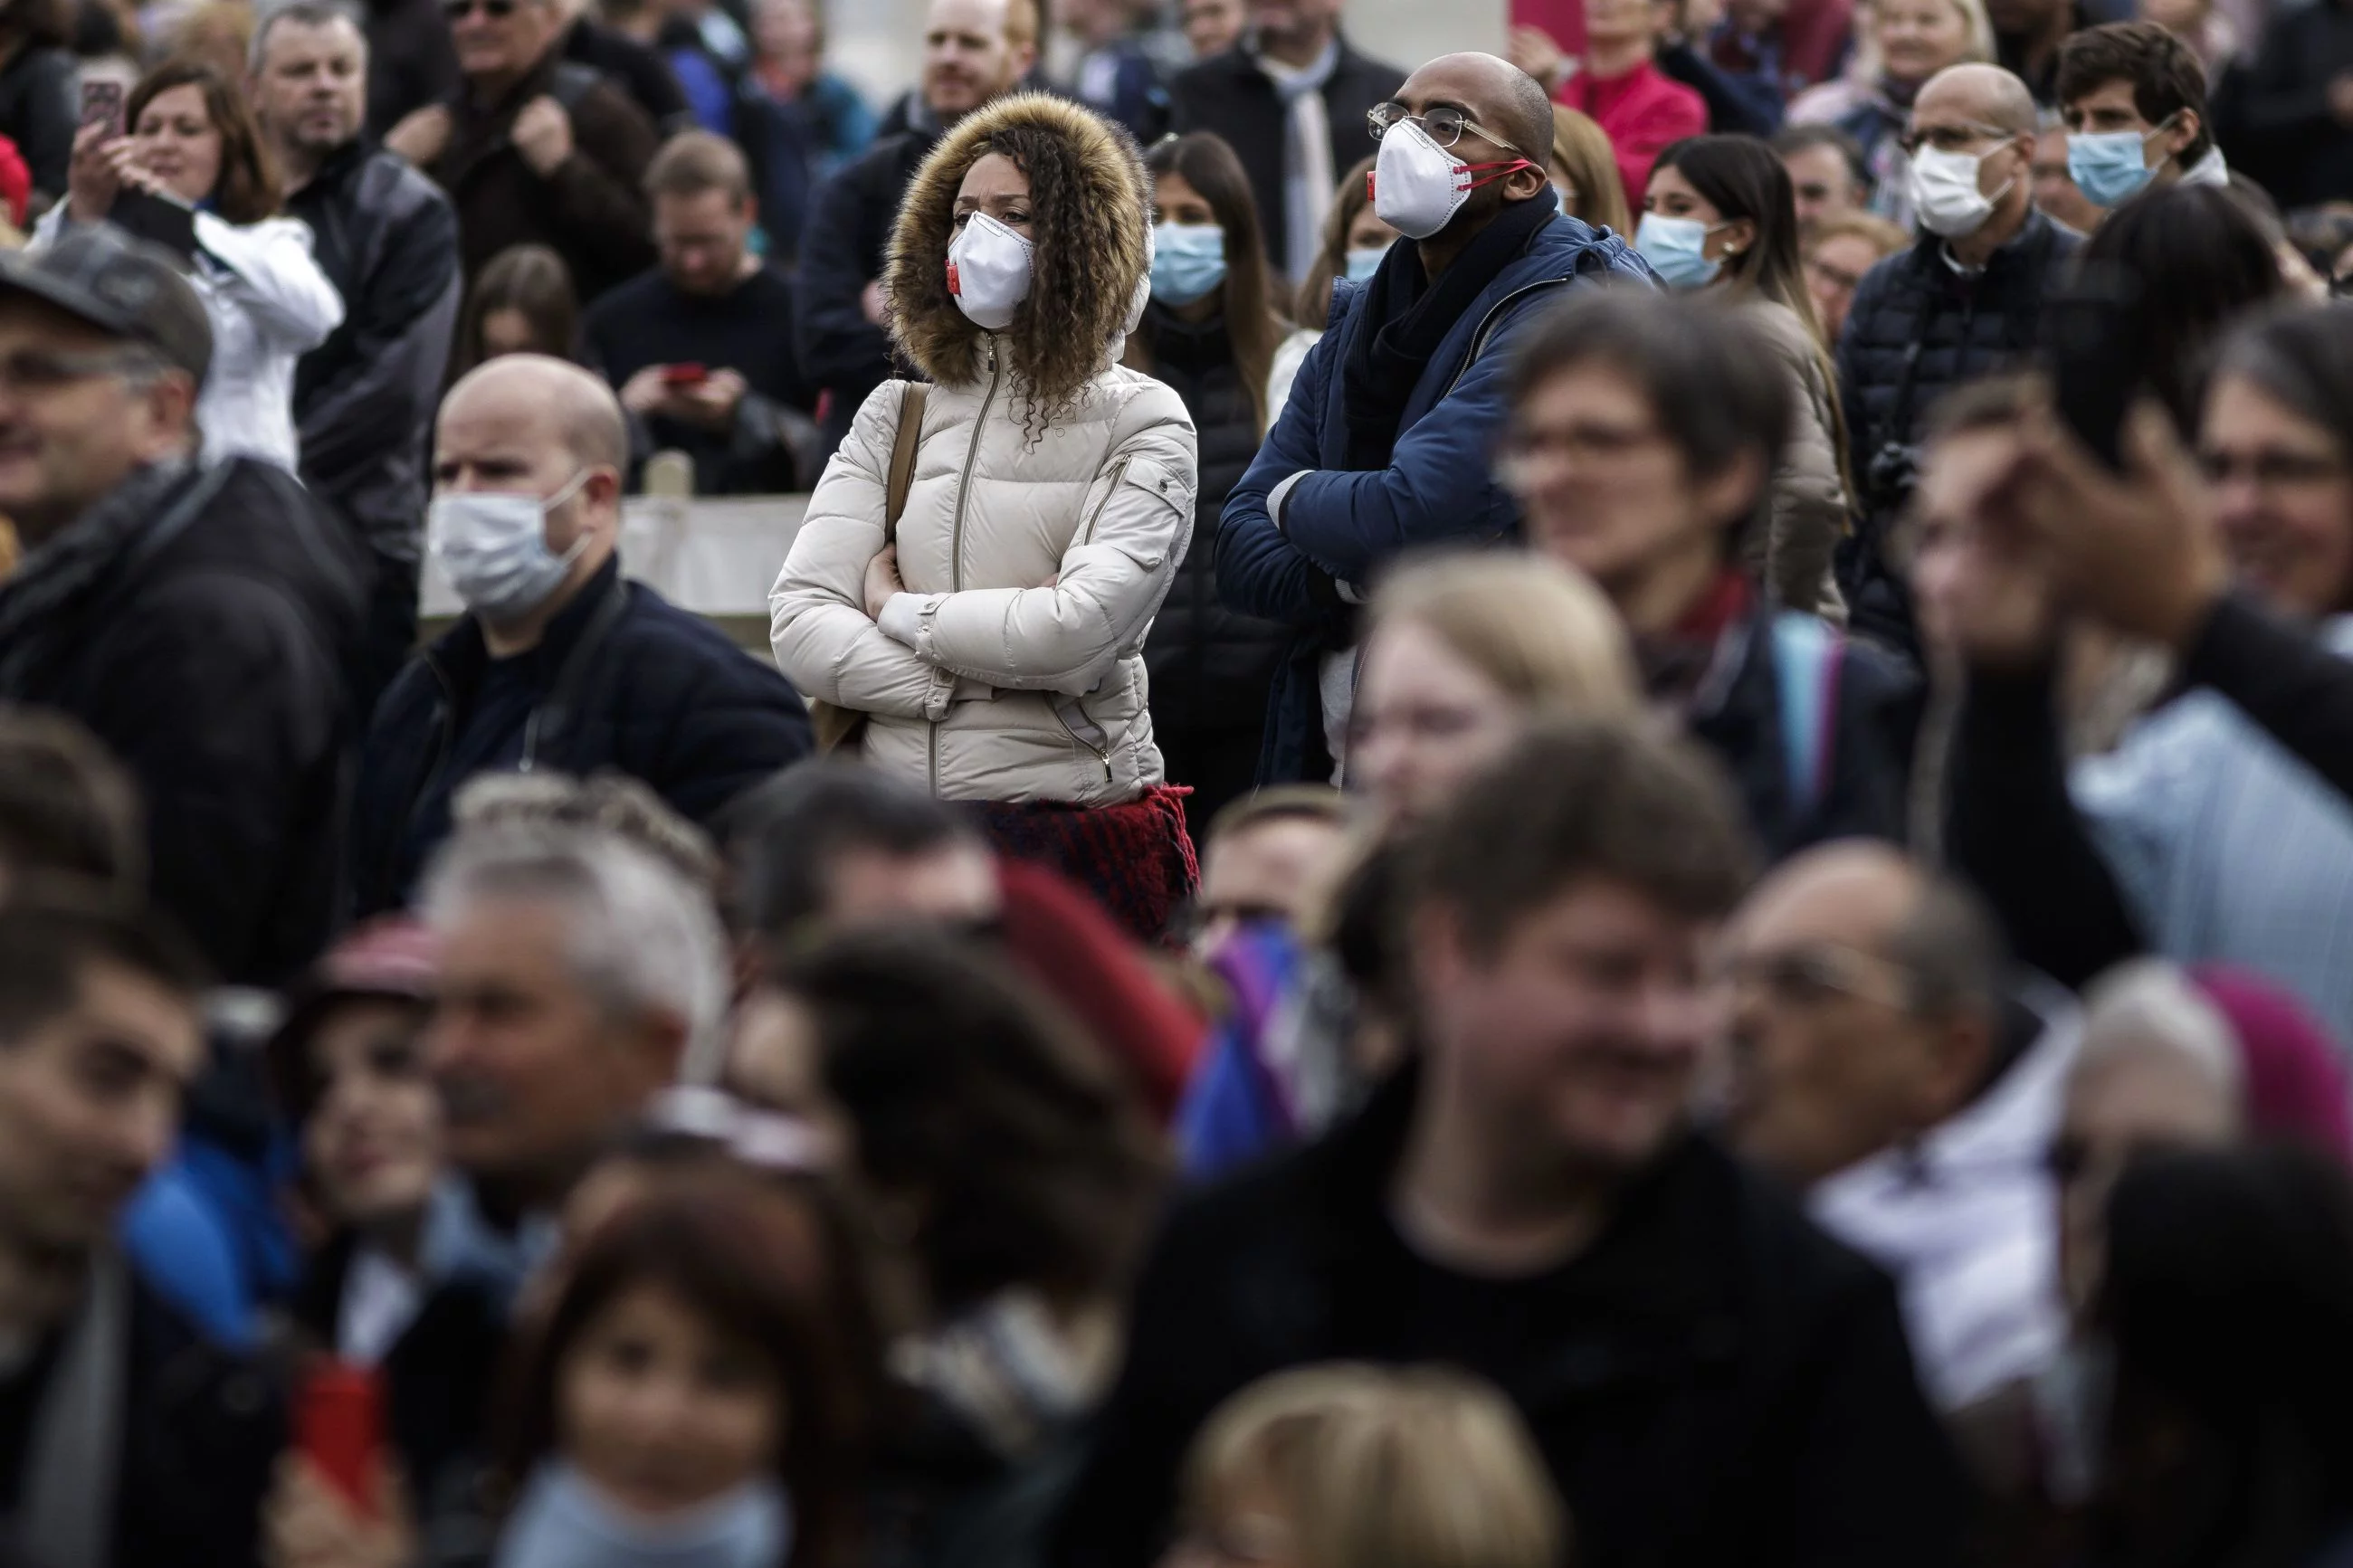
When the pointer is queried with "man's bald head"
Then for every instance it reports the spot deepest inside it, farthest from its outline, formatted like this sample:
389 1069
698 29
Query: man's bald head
1498 94
585 415
1986 93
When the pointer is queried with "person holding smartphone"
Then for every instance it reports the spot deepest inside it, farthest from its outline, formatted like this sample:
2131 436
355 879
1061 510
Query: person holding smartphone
191 175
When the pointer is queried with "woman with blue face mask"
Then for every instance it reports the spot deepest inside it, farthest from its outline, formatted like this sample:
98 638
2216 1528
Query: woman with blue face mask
1210 333
1355 240
1721 213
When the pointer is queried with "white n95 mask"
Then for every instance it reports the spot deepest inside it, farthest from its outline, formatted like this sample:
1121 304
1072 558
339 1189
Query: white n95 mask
988 272
493 546
1418 186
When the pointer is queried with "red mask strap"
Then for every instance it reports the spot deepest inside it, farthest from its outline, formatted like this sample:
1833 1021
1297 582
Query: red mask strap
1504 170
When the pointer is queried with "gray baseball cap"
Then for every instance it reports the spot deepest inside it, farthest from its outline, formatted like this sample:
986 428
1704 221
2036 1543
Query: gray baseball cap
128 287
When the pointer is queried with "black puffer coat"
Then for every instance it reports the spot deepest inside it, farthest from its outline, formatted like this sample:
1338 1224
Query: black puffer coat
1211 667
1917 329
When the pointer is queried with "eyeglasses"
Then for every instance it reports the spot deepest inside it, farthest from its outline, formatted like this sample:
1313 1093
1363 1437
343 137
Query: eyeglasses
38 370
1832 277
1949 138
1443 125
1809 977
496 10
1528 455
2272 469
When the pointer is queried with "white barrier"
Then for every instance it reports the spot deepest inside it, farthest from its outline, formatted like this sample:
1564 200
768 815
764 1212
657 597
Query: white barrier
716 555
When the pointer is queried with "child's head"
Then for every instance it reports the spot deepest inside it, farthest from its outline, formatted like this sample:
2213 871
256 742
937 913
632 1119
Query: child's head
1363 1467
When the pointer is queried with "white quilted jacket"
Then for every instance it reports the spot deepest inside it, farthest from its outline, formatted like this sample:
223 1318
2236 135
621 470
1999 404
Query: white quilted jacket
992 685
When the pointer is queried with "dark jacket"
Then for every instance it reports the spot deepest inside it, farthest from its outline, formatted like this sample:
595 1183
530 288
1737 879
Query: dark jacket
440 1376
1713 1383
1211 667
203 1430
1439 487
629 681
411 62
842 243
638 69
1916 329
39 110
591 210
1126 87
207 648
363 400
1853 780
2272 111
1230 95
749 329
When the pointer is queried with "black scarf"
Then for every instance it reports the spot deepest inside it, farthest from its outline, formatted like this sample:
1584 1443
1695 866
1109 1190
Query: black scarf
1407 314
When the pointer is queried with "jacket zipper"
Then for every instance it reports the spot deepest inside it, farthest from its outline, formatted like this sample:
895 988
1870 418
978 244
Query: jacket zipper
1103 756
1487 324
1118 477
955 528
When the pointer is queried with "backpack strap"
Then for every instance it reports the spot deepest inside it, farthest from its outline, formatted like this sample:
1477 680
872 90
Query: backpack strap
1806 676
572 82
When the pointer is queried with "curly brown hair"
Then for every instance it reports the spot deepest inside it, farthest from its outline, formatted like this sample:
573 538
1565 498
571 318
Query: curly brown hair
1089 204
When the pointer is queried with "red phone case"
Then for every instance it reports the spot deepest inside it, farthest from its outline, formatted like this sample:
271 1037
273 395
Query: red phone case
685 375
339 1427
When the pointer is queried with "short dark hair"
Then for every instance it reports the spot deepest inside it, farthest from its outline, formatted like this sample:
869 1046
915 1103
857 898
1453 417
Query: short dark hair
1530 111
67 806
1715 385
1036 1163
1577 799
1796 138
784 837
305 14
2167 77
2202 261
767 1263
694 163
52 928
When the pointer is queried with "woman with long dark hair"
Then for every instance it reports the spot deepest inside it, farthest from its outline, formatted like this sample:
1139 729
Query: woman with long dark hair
524 303
1210 333
1720 213
191 143
990 642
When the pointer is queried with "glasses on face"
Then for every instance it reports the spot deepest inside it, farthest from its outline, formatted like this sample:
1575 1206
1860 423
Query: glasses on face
1960 138
2271 470
1529 455
1810 976
496 10
1830 277
37 371
1443 125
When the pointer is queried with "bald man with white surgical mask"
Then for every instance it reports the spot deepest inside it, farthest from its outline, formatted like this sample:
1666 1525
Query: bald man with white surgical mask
558 664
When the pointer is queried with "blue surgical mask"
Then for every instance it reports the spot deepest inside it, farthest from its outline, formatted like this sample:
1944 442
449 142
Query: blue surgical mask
1189 263
564 1521
493 546
2110 167
1675 247
1364 260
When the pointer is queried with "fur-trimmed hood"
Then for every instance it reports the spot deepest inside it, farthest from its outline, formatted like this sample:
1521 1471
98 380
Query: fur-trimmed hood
1092 256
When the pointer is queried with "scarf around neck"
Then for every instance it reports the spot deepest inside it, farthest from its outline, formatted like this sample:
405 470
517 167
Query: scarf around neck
1407 314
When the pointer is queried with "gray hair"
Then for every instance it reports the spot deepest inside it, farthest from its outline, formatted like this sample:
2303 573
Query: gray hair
305 14
643 937
2149 1005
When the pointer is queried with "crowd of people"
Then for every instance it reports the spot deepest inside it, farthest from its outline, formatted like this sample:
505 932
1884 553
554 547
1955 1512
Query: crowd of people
1583 807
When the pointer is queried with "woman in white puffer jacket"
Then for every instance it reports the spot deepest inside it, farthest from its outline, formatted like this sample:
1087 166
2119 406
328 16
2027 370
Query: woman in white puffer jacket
996 649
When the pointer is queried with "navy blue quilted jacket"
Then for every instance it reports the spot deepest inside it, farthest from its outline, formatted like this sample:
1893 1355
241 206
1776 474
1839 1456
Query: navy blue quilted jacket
628 681
1916 329
1439 489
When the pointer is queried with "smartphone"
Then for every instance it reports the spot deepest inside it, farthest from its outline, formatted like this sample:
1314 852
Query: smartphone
684 375
159 219
101 104
2096 333
339 1427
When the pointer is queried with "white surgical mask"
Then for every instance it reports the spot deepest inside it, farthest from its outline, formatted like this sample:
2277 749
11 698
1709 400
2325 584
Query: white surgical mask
988 272
1418 186
1945 190
493 546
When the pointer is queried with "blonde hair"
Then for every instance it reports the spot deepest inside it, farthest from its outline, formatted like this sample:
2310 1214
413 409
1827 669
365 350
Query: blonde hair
1382 1468
1868 63
1582 148
1540 630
